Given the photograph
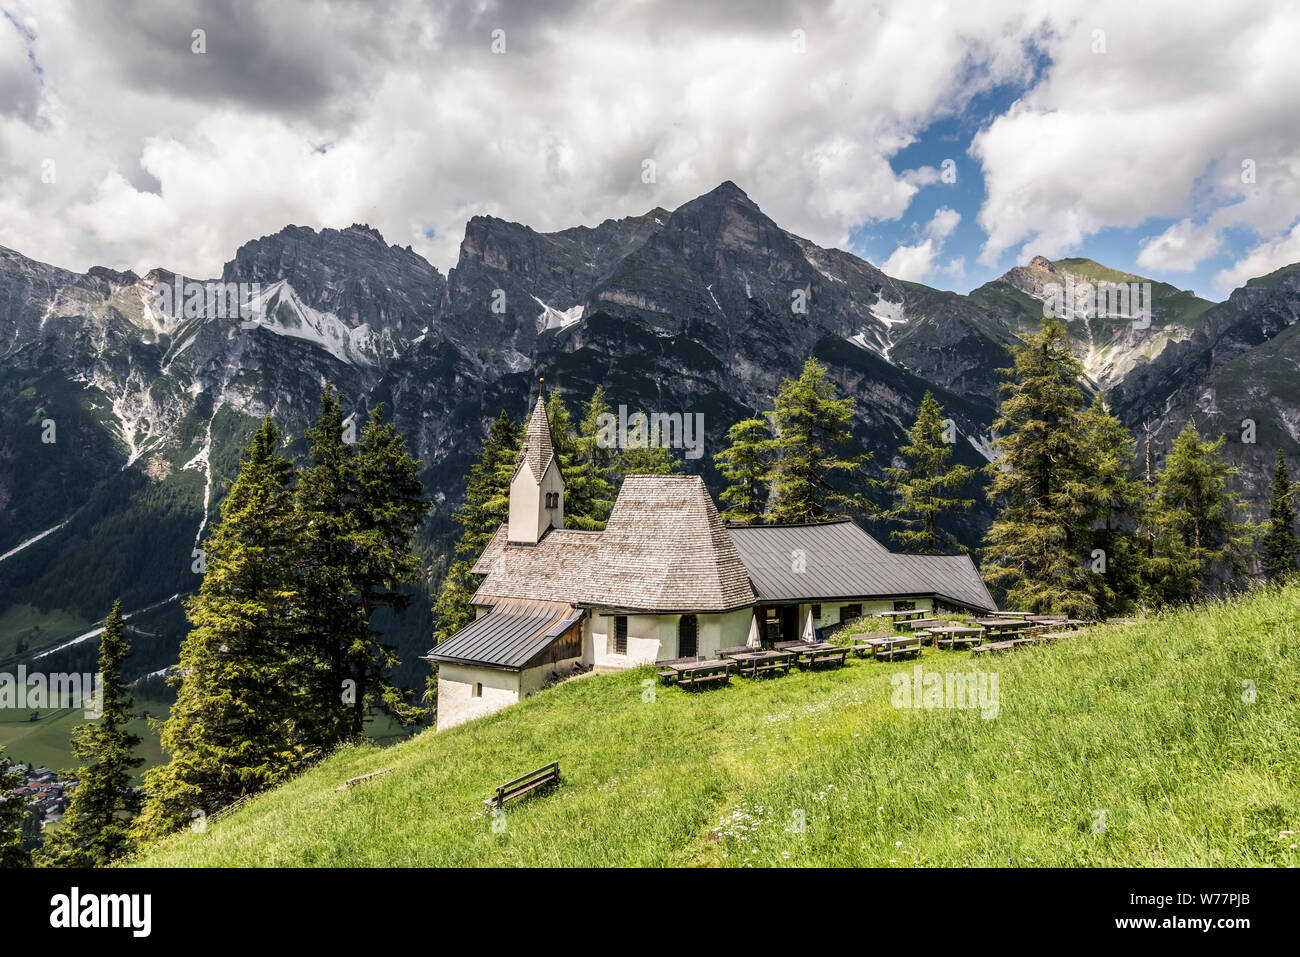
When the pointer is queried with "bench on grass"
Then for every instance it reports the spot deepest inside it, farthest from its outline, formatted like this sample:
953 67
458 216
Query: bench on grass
994 648
825 655
703 673
863 642
543 777
737 650
667 672
887 649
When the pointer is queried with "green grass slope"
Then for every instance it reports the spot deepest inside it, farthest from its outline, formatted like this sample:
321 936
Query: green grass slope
1146 723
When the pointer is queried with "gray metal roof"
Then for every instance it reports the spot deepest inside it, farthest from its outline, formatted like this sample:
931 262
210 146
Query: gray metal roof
838 560
509 636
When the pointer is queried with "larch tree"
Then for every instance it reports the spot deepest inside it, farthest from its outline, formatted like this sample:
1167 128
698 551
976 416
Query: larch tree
95 829
812 426
745 463
924 488
1200 541
1034 551
486 507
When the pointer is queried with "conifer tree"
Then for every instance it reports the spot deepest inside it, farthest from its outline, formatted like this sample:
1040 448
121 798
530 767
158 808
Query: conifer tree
1111 502
331 622
486 507
744 464
811 425
1034 550
358 508
94 831
236 726
390 506
1280 547
645 452
1200 544
923 489
13 815
588 492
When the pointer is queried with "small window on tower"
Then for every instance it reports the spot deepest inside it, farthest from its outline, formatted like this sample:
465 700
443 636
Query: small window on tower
477 692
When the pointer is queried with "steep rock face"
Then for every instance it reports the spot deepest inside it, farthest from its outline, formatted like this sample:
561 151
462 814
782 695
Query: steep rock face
1237 375
349 273
1111 344
511 284
704 309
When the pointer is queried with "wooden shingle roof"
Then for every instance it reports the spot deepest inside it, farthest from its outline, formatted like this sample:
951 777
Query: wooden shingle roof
538 447
664 549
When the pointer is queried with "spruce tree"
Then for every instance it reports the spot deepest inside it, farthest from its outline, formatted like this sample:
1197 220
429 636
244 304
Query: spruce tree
811 425
13 815
744 464
1280 548
486 508
1035 549
331 623
94 831
1200 543
923 489
1111 500
588 492
236 727
390 506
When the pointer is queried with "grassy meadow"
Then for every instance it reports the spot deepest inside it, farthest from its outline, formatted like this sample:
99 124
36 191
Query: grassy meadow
1168 742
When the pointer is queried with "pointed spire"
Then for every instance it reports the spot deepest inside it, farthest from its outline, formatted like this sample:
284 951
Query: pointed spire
538 447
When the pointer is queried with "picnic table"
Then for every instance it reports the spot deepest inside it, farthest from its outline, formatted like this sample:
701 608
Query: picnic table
692 674
951 636
809 654
904 615
898 646
752 663
860 644
695 671
998 626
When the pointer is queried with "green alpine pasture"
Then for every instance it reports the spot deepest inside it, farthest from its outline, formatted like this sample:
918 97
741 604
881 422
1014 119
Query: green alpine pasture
1167 742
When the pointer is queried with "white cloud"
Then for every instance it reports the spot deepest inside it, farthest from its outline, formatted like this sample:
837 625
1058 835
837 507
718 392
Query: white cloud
1261 260
1155 127
166 157
918 262
912 263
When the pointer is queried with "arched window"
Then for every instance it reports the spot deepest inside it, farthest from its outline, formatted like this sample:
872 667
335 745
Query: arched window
688 630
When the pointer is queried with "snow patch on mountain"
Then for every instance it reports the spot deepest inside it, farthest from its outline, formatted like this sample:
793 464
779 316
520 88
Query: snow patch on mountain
556 318
278 308
983 446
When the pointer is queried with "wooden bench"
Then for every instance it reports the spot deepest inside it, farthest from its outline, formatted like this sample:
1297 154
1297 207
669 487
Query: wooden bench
994 648
737 650
812 657
667 674
902 648
704 674
861 643
543 777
